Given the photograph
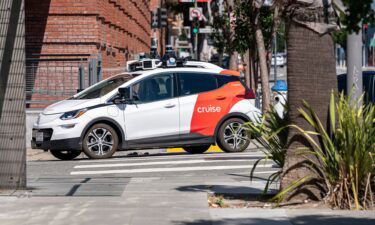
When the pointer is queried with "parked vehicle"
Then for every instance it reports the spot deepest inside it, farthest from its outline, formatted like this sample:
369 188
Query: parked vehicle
192 108
368 81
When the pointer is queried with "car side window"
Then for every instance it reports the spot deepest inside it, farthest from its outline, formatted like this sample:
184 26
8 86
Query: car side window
193 83
155 88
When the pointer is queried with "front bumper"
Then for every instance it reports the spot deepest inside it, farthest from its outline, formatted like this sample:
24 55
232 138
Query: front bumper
58 145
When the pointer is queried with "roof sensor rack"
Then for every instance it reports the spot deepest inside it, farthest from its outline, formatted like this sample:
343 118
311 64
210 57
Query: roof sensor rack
169 60
144 64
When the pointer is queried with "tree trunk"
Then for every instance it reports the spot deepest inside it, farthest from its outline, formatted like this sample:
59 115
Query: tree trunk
250 76
311 76
248 70
233 61
263 70
220 59
12 96
253 74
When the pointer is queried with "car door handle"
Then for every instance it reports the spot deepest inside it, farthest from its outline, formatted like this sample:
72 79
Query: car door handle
221 97
170 105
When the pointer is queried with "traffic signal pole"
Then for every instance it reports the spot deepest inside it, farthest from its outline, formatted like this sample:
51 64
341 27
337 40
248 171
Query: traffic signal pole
196 36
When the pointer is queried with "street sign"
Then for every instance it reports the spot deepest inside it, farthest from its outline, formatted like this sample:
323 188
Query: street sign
195 13
206 30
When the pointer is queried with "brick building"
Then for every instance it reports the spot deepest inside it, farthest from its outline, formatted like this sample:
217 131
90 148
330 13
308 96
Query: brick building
112 31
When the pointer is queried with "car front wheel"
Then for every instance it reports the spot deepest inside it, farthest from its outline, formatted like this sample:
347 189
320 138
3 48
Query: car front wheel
100 142
232 136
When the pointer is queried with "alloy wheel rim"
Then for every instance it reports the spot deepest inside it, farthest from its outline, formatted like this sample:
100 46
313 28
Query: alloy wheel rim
100 141
235 135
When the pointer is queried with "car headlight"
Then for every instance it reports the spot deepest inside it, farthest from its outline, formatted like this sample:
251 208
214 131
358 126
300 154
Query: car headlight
73 114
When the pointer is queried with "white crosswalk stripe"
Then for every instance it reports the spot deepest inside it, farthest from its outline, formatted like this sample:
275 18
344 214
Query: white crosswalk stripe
176 169
173 163
157 163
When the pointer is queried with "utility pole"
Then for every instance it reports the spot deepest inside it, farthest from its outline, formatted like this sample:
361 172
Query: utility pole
221 7
221 11
12 95
196 35
275 60
354 74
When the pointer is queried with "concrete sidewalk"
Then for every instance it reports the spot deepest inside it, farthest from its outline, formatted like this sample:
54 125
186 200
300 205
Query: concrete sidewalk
164 201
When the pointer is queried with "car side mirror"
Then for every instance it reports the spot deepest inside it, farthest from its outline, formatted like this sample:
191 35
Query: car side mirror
123 97
118 100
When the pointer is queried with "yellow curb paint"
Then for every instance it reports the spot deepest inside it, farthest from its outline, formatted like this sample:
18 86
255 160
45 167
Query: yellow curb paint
211 149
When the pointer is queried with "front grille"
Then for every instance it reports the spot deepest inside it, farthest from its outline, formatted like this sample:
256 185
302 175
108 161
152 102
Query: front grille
47 133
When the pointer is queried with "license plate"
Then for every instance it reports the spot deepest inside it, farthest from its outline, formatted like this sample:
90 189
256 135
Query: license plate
39 137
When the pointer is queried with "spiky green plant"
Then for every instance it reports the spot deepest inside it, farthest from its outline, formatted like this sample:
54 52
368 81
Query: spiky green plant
344 154
271 132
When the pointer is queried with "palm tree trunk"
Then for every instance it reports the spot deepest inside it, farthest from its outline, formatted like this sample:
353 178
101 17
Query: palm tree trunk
311 77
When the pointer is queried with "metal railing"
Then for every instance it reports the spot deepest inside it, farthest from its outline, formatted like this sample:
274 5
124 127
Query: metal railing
53 77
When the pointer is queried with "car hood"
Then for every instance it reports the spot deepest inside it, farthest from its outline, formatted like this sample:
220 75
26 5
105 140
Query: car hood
69 105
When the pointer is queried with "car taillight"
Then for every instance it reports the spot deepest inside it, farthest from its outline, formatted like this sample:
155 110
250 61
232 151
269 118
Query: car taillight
249 94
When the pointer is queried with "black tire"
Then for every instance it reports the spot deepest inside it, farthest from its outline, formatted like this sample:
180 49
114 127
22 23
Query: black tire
65 155
197 149
225 140
100 141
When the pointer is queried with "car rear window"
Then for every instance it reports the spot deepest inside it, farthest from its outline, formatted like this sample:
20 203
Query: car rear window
193 83
222 79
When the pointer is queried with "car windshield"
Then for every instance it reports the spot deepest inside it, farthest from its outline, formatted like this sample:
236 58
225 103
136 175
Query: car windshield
102 88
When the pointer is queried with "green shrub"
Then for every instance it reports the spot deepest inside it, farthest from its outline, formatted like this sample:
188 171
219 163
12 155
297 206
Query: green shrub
272 134
344 154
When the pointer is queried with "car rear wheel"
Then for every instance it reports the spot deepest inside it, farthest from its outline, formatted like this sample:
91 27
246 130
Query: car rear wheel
197 149
232 136
65 155
100 142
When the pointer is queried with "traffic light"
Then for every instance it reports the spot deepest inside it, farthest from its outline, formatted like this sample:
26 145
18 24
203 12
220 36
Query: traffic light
159 18
162 13
195 25
154 19
364 33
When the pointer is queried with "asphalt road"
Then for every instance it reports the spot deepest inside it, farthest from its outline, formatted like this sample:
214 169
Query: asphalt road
109 177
